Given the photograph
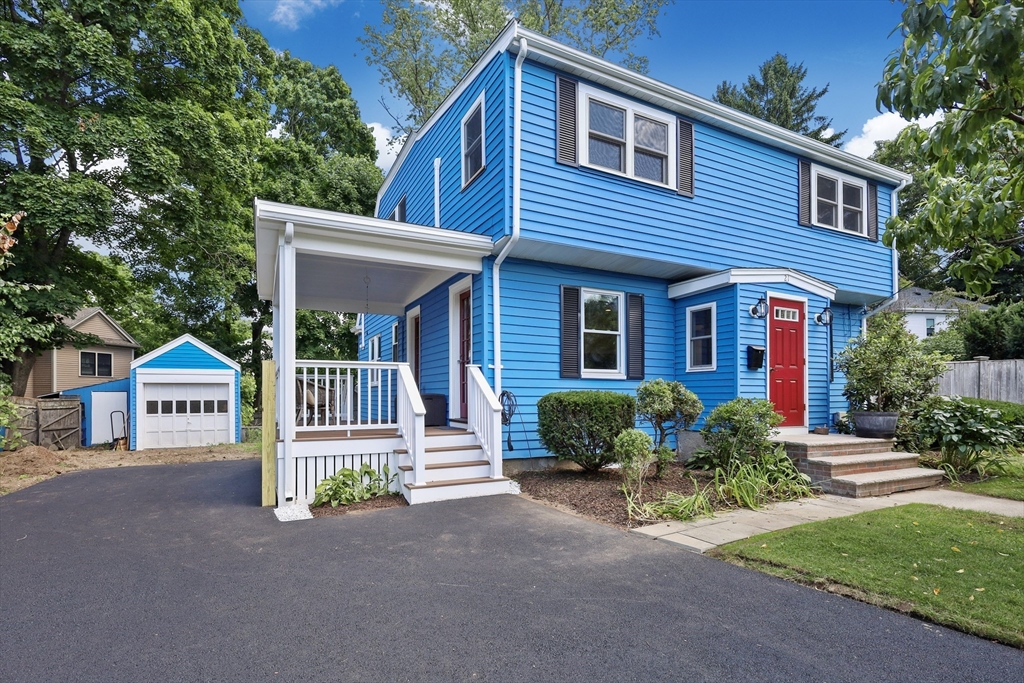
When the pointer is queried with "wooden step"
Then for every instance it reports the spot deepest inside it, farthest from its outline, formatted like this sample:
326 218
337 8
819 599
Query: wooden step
446 465
883 483
453 482
441 449
820 468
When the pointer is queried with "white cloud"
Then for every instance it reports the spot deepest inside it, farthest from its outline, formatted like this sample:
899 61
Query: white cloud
387 146
884 127
289 13
277 131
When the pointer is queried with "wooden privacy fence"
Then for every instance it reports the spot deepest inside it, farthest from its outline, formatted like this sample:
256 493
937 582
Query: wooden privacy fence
50 422
998 380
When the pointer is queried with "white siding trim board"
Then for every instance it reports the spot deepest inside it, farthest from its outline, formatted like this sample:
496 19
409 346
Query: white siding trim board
751 276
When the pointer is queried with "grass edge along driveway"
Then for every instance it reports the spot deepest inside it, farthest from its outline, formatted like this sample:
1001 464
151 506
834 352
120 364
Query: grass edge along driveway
959 568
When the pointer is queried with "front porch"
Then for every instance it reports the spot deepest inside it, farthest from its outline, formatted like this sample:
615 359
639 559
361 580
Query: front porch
331 415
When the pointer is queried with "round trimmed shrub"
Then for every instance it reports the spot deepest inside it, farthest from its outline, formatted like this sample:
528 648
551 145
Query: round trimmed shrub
581 426
737 431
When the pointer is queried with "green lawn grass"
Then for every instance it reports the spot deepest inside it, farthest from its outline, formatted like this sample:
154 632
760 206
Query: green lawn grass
958 568
1007 484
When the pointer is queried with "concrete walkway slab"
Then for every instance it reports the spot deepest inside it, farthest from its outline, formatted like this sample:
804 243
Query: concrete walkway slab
964 501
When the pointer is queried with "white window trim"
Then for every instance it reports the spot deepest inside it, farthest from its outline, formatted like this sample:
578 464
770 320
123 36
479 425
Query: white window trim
394 342
619 371
95 364
585 94
410 315
690 367
374 351
482 104
454 379
841 178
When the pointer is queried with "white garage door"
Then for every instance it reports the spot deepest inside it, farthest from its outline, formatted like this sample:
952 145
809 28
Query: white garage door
186 415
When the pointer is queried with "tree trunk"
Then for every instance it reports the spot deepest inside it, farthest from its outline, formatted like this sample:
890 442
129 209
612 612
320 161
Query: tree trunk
20 371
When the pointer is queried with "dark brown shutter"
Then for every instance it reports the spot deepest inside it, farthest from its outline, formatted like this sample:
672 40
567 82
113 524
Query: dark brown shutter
684 165
635 336
805 192
873 211
565 121
570 331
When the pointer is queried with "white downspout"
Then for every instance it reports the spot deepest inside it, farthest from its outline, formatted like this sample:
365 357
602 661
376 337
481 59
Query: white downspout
893 210
516 168
437 192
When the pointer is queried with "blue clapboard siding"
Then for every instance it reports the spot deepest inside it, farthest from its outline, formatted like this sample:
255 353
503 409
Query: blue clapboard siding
719 385
531 337
482 206
845 328
744 213
186 356
754 383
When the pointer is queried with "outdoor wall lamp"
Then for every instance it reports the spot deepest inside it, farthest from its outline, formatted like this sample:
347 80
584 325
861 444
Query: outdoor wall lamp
760 309
825 317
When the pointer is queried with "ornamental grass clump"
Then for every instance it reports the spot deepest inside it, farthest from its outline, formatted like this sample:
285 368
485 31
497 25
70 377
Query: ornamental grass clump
581 426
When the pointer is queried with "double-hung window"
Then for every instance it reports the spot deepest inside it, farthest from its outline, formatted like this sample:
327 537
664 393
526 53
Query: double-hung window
473 159
700 338
602 341
93 364
929 327
839 201
374 358
624 137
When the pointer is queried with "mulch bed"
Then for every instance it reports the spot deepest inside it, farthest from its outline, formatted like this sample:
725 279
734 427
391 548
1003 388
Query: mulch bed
598 495
377 503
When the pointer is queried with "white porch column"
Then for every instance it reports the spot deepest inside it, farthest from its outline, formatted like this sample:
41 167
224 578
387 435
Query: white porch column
286 349
276 325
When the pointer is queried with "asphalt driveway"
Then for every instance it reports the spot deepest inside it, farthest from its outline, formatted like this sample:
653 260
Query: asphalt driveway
173 573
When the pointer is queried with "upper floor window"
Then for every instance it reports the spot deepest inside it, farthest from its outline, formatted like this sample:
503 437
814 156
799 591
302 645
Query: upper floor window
700 337
399 213
929 327
839 201
626 138
603 345
92 364
473 160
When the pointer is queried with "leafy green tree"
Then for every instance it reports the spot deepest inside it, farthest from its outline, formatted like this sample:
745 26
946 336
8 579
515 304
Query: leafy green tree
131 127
964 58
423 49
777 94
997 332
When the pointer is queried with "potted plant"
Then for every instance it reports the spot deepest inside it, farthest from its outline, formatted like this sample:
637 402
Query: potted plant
888 374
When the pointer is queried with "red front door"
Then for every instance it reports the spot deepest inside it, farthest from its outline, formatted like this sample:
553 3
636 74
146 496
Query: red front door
465 350
786 360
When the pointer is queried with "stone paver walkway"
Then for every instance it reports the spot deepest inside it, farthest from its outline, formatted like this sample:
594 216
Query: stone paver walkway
701 535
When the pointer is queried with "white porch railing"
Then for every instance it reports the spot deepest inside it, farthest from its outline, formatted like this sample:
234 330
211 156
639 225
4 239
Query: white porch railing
412 417
484 418
348 395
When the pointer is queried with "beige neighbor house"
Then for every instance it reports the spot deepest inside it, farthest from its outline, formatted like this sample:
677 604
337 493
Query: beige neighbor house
69 368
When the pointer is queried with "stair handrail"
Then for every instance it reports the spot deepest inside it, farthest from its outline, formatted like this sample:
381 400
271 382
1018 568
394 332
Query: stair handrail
412 416
484 417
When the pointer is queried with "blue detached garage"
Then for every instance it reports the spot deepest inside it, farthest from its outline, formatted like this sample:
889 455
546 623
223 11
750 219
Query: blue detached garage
184 394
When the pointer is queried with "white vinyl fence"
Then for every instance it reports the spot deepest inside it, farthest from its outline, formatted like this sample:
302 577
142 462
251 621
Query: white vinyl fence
999 380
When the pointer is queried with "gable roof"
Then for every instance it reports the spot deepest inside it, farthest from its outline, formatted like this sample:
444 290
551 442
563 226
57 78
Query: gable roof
550 52
88 313
183 339
920 300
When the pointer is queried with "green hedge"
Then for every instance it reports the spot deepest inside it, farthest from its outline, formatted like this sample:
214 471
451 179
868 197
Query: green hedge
581 426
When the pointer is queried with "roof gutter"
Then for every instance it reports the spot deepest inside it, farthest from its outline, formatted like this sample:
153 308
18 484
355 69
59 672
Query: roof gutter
516 191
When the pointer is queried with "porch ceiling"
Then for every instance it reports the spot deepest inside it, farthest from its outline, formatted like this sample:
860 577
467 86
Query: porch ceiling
335 253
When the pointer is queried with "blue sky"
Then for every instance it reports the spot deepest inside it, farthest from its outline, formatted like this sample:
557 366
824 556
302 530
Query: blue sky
844 43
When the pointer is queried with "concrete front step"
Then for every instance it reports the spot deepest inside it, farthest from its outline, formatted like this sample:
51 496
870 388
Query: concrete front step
882 483
814 445
820 468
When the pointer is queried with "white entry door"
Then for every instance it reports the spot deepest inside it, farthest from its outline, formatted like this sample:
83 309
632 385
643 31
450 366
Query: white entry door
186 415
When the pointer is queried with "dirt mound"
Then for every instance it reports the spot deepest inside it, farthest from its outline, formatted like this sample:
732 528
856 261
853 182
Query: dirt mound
30 460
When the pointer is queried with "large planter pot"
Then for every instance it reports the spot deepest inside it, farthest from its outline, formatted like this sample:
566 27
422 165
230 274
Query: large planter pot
875 425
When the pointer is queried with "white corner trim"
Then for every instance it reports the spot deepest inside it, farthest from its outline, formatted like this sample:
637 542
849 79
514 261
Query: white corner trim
713 305
454 384
764 276
173 344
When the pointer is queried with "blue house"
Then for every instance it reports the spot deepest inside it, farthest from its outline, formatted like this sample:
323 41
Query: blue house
559 223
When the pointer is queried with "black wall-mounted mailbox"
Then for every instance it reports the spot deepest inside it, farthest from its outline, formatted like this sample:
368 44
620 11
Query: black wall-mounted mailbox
755 357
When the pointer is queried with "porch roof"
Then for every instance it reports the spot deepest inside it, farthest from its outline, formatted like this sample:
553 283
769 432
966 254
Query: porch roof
335 254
